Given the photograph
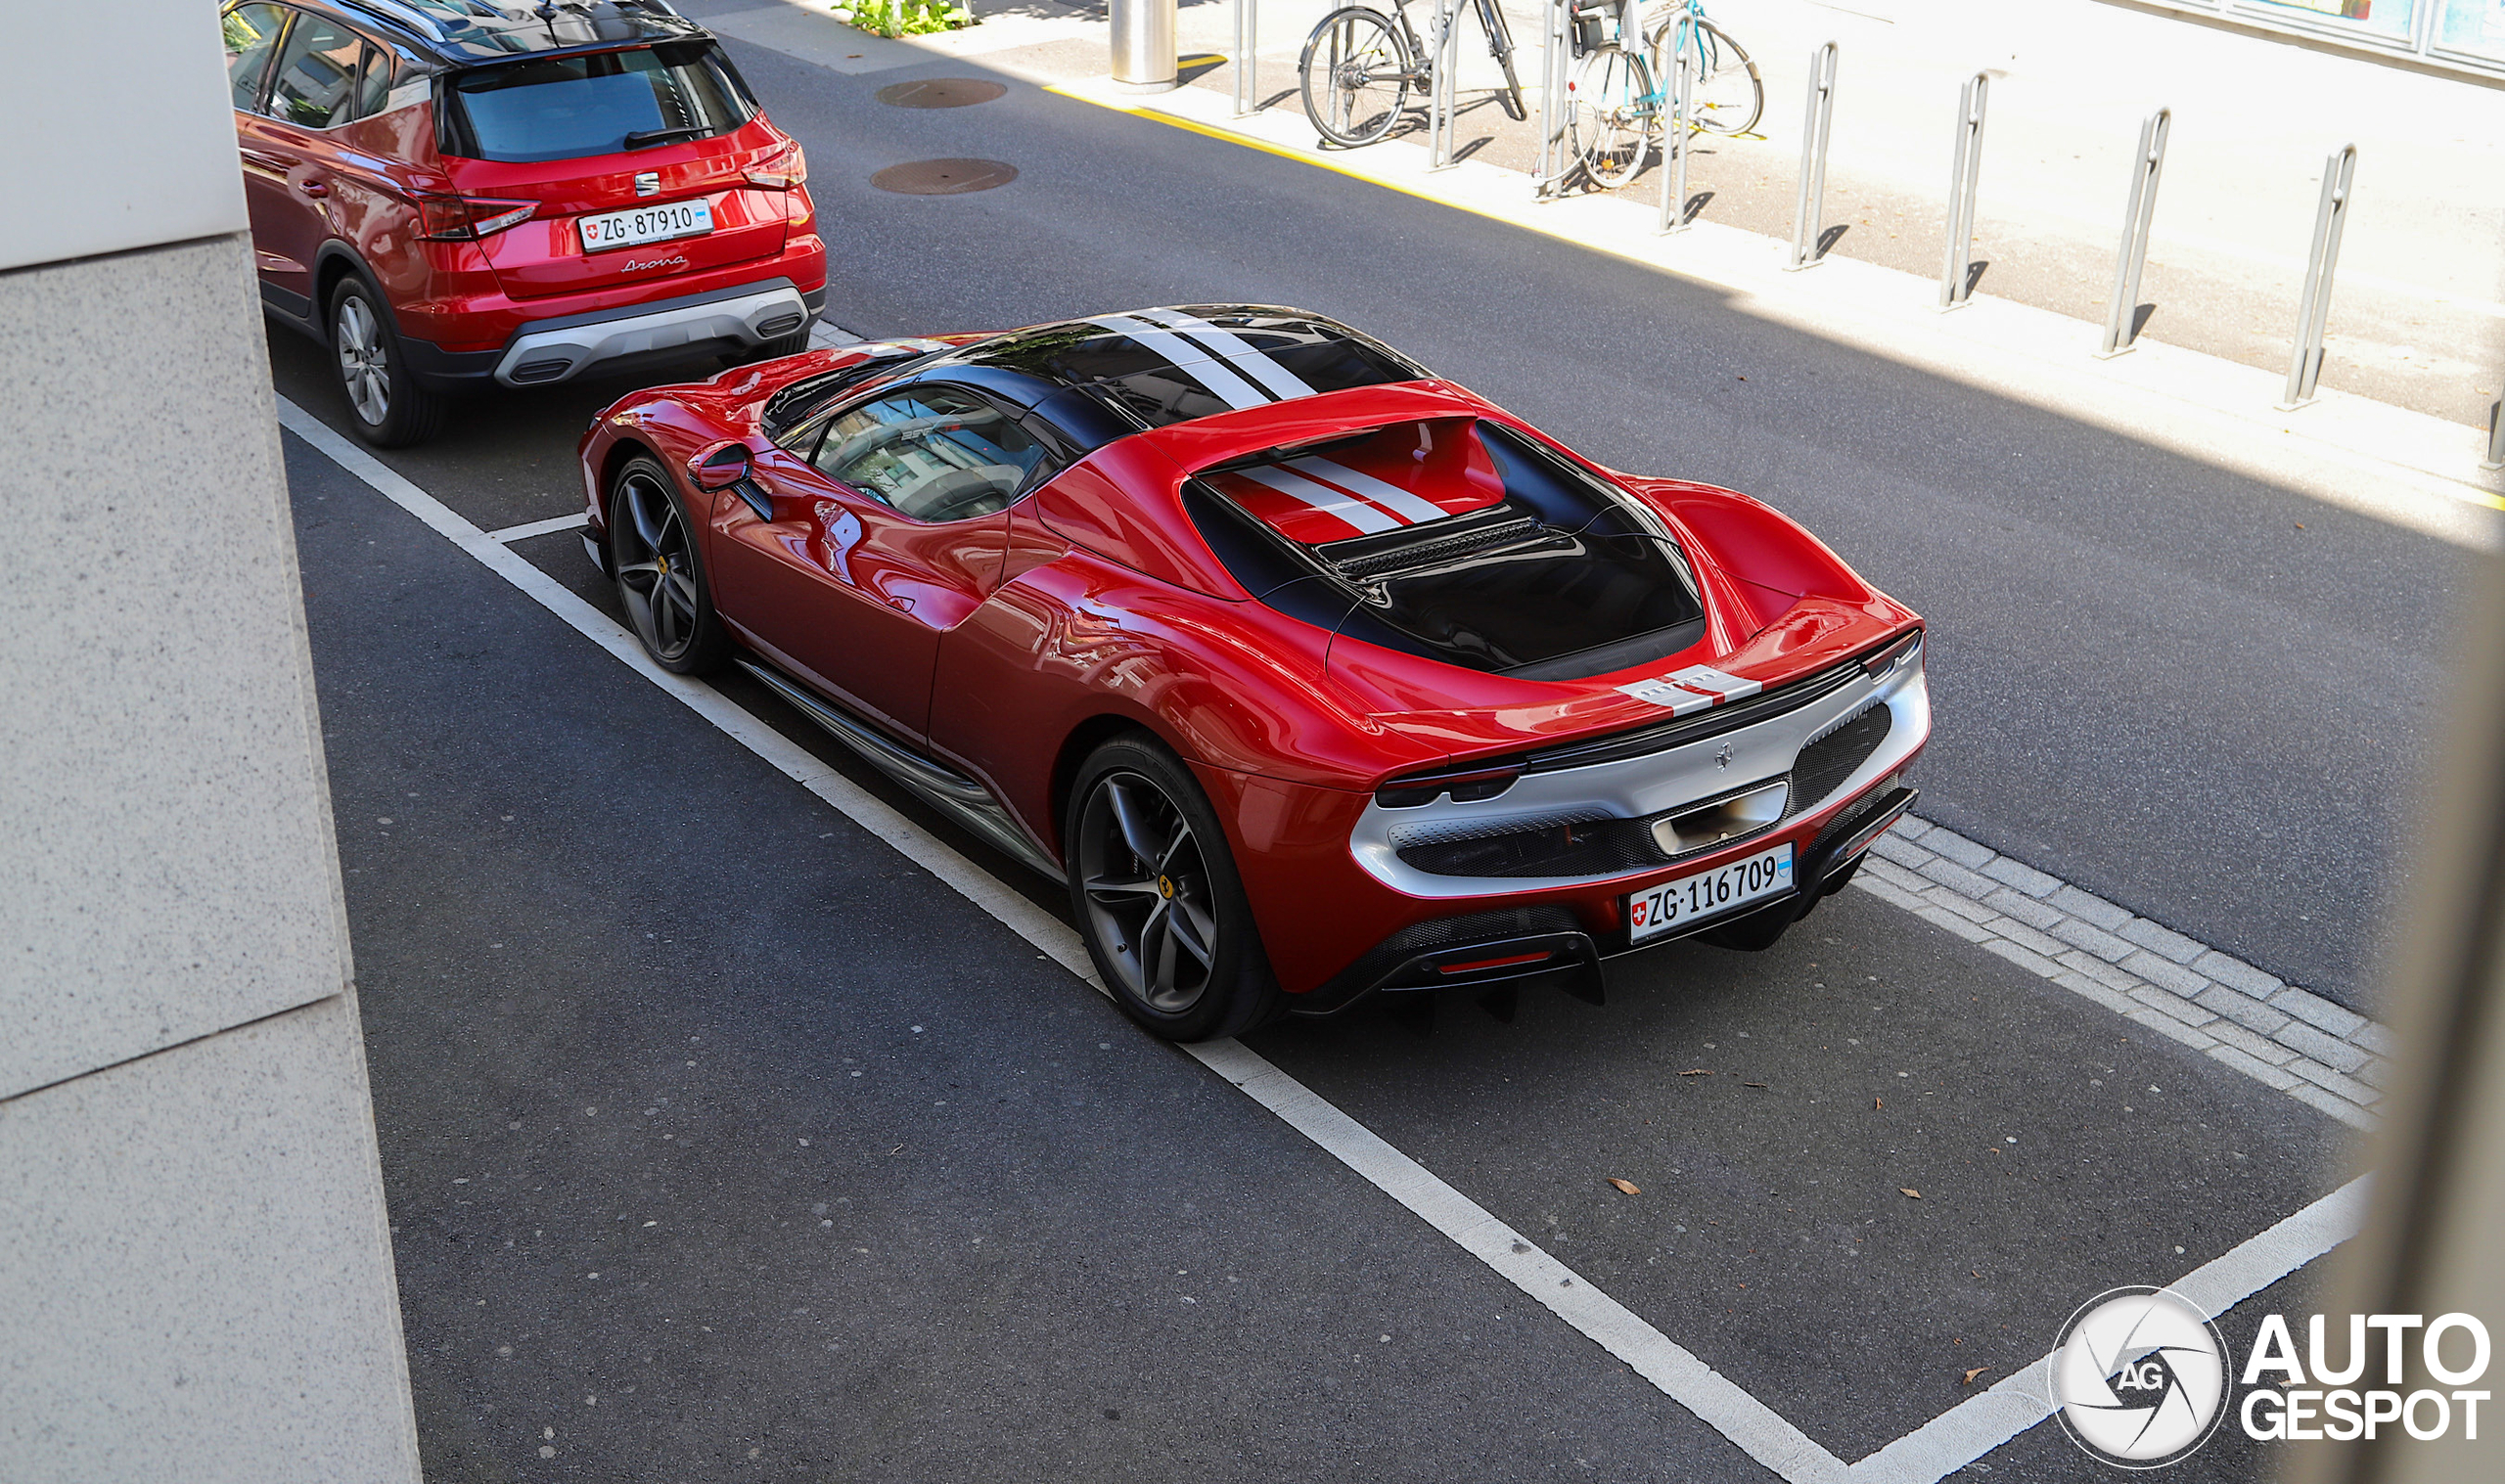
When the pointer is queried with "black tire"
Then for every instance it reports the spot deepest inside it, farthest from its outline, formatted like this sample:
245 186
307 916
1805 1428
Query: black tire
661 580
1610 117
1362 87
1729 97
1153 889
1500 45
386 407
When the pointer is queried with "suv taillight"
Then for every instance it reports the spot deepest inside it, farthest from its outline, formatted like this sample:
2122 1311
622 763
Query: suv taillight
461 218
781 170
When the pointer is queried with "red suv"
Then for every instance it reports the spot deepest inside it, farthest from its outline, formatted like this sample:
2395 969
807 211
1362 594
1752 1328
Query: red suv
455 194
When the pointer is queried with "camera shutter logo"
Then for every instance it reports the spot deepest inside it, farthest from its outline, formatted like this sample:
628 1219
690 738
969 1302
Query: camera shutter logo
2139 1377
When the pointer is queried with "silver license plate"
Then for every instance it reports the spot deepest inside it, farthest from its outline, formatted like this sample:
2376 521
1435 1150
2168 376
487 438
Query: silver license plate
1709 893
645 224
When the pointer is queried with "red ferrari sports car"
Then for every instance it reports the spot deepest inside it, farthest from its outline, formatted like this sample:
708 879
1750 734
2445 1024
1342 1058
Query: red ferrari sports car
1314 675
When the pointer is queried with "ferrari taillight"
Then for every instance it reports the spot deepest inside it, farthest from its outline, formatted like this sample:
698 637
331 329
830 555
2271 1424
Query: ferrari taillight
461 218
1467 785
781 170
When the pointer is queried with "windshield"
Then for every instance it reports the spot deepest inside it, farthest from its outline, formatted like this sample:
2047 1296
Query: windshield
558 108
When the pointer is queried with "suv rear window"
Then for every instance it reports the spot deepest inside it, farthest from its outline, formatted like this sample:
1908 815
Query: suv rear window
561 107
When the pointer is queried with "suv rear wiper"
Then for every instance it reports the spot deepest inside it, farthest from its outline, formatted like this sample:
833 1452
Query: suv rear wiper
642 137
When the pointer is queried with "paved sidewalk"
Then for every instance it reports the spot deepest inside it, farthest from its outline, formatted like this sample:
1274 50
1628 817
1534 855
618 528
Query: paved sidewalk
2418 318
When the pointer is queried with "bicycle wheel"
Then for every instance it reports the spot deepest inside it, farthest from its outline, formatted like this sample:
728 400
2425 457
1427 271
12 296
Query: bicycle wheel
1356 75
1727 97
1500 45
1608 116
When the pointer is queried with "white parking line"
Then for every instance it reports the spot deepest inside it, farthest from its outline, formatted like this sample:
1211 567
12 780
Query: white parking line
1947 1443
549 527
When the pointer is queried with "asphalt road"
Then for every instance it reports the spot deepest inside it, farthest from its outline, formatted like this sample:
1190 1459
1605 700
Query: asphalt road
722 1141
2196 694
613 967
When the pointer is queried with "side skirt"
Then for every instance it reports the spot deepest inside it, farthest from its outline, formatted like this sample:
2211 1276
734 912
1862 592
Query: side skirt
960 797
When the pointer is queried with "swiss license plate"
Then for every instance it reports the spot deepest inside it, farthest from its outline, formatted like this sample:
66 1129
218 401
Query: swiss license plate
645 224
1709 893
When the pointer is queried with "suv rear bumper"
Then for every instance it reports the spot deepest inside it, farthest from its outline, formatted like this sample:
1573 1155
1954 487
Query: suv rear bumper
545 353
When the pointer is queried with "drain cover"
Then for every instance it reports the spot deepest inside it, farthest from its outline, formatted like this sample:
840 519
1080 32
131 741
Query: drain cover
943 178
940 93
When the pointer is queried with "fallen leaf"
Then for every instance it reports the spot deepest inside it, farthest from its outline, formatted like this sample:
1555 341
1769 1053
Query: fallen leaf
1970 1374
1879 1104
1910 1190
1626 1186
1698 1071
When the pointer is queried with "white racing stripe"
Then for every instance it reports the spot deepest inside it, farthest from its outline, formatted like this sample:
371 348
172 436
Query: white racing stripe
1194 361
1322 497
1238 352
1401 502
1947 1443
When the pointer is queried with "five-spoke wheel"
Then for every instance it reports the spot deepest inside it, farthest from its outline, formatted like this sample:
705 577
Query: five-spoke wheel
653 550
1158 899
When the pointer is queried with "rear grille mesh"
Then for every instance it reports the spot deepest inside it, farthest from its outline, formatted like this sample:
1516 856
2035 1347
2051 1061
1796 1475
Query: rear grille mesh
1564 846
1826 763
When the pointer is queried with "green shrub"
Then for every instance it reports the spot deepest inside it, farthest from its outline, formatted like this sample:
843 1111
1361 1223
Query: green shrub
904 18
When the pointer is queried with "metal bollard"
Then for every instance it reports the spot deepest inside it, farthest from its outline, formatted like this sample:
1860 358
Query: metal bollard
1812 202
2495 435
1248 61
2313 312
1556 58
1675 141
1964 172
1144 58
2119 330
1447 38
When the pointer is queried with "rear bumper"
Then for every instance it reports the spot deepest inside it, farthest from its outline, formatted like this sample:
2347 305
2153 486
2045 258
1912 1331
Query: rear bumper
554 350
1572 937
557 348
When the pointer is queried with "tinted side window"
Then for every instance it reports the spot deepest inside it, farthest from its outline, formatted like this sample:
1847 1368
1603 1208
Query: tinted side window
933 452
374 84
315 86
252 34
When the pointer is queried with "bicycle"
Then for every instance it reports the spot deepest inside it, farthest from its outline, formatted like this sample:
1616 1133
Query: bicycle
1370 60
1725 94
1616 111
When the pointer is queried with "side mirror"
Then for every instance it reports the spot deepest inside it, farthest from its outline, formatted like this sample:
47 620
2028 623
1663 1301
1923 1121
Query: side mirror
720 468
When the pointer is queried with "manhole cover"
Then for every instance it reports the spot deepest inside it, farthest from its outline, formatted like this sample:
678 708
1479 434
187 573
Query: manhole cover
940 93
943 178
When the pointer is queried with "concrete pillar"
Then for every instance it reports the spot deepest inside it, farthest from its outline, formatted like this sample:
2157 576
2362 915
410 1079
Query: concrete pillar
195 1266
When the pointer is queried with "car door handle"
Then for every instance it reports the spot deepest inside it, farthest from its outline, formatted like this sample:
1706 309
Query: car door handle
312 187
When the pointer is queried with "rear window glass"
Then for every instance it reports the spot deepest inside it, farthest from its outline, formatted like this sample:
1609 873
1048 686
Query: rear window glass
1488 552
561 107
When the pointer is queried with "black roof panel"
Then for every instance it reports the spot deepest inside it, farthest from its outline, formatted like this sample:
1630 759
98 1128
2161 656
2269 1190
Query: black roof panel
466 32
1173 364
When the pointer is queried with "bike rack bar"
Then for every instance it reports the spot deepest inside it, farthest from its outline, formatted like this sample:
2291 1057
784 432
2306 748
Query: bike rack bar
1674 139
2120 330
2313 314
1812 202
1964 172
1439 94
1555 59
1248 64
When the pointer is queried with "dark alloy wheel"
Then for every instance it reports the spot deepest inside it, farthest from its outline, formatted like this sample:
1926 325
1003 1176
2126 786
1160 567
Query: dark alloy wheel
651 548
1158 899
386 407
